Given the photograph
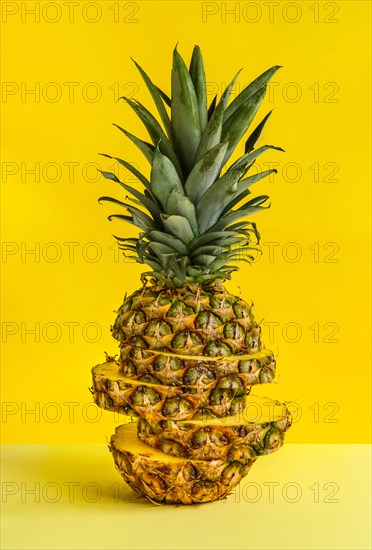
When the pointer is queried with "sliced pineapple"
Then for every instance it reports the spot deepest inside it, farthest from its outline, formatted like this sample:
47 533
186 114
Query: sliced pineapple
172 480
147 396
257 430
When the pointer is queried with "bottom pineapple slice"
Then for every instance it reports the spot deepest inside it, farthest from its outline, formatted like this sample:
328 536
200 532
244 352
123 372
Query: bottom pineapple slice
169 479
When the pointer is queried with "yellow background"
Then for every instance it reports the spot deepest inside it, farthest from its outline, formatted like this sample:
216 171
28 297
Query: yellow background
325 62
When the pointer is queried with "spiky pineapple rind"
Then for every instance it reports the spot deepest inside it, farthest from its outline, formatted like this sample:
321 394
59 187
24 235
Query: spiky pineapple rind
171 480
241 442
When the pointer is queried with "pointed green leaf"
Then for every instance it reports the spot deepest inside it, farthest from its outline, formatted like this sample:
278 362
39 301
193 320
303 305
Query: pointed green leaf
156 96
164 178
156 132
212 107
198 78
160 249
184 113
216 265
248 158
210 237
214 200
256 134
177 203
246 210
194 271
129 247
211 250
249 91
115 201
179 227
244 250
146 148
239 122
245 227
238 198
126 239
143 200
212 134
257 201
139 219
220 263
109 176
247 182
205 172
164 96
203 259
131 169
133 200
170 240
236 240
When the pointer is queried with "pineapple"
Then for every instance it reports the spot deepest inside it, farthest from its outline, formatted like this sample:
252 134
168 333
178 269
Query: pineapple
190 351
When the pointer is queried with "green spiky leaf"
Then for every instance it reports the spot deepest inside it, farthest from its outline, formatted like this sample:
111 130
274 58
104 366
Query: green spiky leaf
131 169
145 201
170 240
212 134
249 158
238 123
212 107
256 134
177 203
156 132
247 209
146 148
248 182
184 113
137 218
214 200
158 99
179 227
205 172
203 259
198 78
210 237
249 91
161 249
164 96
212 250
164 178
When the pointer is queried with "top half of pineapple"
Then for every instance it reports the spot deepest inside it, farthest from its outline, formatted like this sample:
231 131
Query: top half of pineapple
193 209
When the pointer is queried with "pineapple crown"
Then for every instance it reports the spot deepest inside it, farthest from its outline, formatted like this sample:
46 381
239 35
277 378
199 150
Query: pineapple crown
190 230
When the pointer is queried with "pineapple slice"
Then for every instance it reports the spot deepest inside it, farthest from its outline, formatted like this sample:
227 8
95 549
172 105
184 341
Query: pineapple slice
257 430
219 396
172 480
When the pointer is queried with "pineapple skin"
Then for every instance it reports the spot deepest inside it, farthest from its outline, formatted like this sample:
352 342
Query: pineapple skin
168 480
241 443
179 361
191 321
185 320
184 345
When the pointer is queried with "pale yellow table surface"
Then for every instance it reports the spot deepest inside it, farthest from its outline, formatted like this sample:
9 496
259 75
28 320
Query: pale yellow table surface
303 497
